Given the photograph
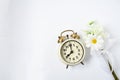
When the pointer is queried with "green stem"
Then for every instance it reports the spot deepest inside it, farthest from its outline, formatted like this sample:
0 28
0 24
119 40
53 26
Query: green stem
113 72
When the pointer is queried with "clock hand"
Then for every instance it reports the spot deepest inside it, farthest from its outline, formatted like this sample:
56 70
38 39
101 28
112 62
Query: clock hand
69 54
70 51
70 46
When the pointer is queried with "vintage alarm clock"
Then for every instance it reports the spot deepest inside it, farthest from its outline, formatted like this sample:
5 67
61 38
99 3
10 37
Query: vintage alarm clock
71 51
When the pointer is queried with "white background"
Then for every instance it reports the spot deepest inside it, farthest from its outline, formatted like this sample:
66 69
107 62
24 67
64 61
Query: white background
29 31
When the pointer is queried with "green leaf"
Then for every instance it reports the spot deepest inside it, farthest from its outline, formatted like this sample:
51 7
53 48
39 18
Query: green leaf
92 22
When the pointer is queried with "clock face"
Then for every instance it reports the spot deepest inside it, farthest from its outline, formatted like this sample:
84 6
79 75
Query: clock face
72 52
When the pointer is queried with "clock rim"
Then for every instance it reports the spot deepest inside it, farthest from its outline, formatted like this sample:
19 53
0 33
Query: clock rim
67 63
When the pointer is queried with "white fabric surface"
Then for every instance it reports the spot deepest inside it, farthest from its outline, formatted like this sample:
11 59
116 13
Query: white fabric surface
29 31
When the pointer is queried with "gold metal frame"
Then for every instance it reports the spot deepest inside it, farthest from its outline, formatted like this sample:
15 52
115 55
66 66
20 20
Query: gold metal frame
73 35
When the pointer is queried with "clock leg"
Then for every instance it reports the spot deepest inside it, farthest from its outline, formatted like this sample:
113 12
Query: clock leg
82 63
67 66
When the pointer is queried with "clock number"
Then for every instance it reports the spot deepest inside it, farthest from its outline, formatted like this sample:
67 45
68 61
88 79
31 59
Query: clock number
64 50
73 44
76 57
69 58
76 46
64 53
73 58
66 46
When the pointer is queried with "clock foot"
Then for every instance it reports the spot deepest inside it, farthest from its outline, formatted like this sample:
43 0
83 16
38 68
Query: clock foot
82 63
67 66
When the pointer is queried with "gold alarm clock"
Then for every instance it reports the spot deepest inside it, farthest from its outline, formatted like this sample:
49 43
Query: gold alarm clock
71 51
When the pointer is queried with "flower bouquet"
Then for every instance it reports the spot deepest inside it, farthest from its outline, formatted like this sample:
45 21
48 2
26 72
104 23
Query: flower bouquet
95 38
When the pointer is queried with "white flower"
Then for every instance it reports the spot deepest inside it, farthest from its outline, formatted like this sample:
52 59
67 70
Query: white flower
94 36
95 39
95 29
94 42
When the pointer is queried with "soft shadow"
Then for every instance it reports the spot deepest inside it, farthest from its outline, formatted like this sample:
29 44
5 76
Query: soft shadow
87 56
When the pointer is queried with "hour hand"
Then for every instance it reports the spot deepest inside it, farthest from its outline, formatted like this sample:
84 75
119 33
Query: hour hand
69 54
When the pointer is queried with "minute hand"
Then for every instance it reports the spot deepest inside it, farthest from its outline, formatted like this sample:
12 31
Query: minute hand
70 46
